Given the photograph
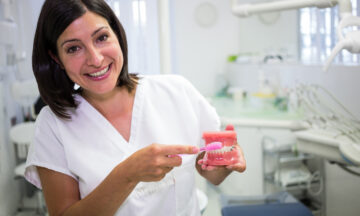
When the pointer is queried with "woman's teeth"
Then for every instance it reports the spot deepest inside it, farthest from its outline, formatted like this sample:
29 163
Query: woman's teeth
100 73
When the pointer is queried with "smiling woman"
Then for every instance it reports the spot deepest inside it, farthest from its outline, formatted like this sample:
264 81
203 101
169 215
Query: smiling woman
104 148
50 37
92 58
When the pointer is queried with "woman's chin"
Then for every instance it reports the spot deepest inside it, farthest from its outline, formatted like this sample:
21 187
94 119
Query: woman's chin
100 91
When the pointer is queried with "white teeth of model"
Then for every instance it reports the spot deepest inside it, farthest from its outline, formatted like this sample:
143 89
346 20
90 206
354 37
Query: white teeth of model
222 150
102 72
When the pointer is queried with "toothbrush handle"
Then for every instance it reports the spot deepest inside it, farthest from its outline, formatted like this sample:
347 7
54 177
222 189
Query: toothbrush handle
203 148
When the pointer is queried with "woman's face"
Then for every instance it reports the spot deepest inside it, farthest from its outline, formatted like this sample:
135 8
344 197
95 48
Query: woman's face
90 53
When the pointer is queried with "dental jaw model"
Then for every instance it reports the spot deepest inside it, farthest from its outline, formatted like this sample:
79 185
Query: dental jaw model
228 154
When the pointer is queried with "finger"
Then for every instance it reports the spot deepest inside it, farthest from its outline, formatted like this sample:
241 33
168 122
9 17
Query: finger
173 161
237 167
179 149
240 166
167 169
210 168
241 155
239 149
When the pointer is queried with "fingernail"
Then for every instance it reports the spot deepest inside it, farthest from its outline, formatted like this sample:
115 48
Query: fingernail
210 168
195 149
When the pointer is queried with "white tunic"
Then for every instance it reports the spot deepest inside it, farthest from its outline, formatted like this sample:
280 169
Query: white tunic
167 110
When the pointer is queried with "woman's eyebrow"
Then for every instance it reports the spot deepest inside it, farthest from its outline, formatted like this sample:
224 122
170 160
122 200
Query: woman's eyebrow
92 35
70 40
97 30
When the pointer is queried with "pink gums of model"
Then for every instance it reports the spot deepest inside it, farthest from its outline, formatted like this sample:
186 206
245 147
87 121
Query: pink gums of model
228 154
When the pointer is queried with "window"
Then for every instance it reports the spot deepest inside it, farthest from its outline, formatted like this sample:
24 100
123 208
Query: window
318 35
140 21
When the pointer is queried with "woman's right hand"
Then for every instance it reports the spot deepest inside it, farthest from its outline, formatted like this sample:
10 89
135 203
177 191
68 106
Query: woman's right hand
153 162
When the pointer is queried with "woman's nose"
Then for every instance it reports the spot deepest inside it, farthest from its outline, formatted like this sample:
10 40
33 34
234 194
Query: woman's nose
94 57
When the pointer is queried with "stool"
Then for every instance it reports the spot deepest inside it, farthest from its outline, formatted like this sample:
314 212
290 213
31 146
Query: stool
21 136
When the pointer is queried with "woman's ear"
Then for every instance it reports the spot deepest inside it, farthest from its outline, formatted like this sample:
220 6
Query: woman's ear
56 59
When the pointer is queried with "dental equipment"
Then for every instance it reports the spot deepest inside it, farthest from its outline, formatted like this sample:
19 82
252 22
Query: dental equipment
245 10
334 132
350 41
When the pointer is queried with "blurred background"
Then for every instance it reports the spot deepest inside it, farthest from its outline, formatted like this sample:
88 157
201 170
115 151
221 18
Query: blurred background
263 71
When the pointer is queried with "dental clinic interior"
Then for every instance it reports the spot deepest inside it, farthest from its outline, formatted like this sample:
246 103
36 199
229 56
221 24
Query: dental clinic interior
284 73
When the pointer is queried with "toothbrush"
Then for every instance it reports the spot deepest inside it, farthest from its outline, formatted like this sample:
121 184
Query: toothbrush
209 147
212 146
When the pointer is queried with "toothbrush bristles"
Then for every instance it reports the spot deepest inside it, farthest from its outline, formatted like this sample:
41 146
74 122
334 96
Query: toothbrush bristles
212 146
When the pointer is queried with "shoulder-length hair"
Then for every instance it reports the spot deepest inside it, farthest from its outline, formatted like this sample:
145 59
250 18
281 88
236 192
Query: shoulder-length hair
55 87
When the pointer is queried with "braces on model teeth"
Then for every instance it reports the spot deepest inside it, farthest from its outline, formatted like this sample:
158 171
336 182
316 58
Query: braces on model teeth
100 73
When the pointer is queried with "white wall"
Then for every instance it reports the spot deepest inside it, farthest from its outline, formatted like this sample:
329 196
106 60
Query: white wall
279 35
200 53
27 15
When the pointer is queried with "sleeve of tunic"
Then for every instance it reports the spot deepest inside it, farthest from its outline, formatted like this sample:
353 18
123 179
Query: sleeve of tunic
46 150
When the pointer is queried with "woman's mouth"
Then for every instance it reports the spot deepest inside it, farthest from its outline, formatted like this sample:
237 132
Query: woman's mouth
100 74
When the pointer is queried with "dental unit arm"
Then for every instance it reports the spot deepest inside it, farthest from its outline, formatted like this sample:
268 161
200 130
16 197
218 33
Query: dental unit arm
350 42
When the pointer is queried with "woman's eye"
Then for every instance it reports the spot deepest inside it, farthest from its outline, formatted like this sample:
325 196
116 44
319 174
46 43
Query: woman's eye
103 37
73 49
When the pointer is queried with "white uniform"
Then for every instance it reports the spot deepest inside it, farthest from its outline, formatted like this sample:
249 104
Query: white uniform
167 110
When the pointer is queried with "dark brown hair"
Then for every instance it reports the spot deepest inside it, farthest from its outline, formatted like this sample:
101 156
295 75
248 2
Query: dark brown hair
55 87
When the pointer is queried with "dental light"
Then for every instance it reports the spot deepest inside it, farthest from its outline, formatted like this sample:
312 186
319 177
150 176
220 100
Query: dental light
350 41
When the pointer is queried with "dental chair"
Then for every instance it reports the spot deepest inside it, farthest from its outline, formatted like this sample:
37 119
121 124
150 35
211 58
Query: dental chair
25 94
21 136
279 204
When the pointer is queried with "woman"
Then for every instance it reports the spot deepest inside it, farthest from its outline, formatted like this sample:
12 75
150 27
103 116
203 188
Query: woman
112 147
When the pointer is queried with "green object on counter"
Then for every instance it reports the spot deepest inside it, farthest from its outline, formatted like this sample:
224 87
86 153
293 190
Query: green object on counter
232 58
281 103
